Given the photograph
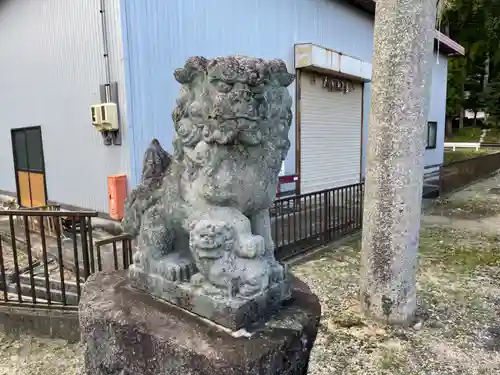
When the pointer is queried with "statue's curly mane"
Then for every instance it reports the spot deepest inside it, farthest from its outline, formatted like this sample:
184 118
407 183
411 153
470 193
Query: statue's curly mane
223 113
238 114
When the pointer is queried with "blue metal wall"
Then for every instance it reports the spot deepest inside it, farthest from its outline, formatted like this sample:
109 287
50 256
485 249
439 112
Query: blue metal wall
160 35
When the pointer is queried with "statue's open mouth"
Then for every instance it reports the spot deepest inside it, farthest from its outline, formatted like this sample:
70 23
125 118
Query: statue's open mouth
241 117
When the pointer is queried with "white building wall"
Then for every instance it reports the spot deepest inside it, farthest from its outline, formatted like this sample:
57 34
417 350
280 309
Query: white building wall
437 108
51 65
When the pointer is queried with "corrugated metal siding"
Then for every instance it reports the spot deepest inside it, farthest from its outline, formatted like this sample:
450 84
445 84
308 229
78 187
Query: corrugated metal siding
51 66
161 35
330 130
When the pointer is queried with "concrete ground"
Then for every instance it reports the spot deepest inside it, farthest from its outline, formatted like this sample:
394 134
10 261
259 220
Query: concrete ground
458 327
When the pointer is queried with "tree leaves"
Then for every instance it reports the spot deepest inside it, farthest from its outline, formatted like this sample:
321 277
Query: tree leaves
474 80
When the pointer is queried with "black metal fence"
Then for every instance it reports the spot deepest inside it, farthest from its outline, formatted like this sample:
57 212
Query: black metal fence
116 259
298 223
46 255
303 222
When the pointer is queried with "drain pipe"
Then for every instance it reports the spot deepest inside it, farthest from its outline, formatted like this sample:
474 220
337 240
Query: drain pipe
104 27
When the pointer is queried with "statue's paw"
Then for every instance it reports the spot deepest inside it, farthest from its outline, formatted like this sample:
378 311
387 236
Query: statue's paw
208 288
137 257
197 280
251 247
212 290
248 291
254 286
278 272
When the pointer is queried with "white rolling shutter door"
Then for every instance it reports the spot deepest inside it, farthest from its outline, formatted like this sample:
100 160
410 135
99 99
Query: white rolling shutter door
330 135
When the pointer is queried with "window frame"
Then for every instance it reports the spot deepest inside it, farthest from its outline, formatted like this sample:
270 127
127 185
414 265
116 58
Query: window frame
41 171
432 126
41 155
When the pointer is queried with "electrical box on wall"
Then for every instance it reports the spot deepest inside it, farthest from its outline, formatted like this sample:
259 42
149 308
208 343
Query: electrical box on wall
95 113
109 116
106 116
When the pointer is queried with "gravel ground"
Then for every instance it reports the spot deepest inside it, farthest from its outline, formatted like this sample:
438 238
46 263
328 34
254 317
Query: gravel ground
458 326
8 257
26 355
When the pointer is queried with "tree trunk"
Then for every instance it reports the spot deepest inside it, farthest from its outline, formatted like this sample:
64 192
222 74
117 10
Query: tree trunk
462 95
486 76
475 118
403 50
461 118
449 126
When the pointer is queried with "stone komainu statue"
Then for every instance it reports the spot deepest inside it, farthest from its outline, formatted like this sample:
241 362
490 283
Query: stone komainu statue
202 215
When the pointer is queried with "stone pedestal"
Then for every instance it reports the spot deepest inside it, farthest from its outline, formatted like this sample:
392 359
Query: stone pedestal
169 279
125 331
232 313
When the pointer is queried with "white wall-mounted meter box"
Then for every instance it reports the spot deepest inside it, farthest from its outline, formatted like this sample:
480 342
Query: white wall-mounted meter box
95 113
109 116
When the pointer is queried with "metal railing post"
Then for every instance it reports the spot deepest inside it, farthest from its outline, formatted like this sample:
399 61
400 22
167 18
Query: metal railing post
326 216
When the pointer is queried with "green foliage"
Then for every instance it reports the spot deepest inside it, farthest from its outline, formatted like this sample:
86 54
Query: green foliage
474 80
466 135
492 136
492 103
454 94
455 250
453 156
